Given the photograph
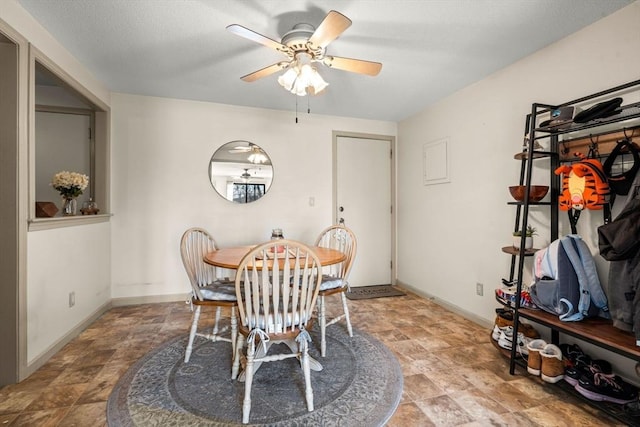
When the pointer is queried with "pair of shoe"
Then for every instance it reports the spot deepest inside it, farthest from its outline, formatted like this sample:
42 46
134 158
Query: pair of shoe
579 364
504 321
594 379
545 360
607 388
505 340
507 296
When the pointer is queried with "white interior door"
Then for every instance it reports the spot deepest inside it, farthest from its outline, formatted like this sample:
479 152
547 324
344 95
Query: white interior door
363 202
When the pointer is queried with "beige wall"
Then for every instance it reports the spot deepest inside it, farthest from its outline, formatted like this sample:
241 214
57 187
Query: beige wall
62 260
160 184
450 235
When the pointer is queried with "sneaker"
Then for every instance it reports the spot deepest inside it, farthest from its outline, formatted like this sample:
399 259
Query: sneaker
607 388
551 365
584 367
504 319
572 352
506 341
507 296
495 334
497 330
534 361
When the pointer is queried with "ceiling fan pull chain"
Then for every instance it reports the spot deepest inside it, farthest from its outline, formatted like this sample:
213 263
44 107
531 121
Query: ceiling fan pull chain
308 106
296 109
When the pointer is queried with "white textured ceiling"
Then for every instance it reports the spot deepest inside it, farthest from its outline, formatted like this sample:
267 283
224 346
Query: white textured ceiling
429 48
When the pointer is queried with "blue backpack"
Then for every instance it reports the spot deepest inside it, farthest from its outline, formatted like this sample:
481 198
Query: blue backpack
566 281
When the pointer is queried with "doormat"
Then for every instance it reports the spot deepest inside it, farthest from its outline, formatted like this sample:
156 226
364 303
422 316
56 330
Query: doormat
376 291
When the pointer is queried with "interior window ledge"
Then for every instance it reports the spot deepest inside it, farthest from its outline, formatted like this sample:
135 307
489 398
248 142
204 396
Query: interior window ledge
37 224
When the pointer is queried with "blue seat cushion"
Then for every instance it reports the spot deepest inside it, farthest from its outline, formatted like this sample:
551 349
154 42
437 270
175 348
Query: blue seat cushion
219 291
331 282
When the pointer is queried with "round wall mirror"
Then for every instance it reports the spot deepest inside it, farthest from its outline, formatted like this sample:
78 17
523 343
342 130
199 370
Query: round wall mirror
240 171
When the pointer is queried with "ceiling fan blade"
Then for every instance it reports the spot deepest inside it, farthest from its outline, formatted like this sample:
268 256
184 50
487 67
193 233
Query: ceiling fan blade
264 72
354 65
241 31
329 29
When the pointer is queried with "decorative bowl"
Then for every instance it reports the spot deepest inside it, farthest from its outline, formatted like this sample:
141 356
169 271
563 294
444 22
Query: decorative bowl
536 193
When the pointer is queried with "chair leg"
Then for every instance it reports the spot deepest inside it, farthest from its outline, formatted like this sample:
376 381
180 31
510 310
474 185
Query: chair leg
234 330
192 334
236 358
214 332
246 404
306 369
322 319
346 313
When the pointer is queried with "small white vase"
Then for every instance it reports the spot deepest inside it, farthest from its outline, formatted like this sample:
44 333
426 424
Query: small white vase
528 243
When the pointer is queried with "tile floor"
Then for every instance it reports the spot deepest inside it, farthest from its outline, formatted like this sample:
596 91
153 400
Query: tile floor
453 375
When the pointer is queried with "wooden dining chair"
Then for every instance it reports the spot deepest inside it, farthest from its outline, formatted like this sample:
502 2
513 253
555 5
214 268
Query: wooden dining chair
335 277
207 289
275 304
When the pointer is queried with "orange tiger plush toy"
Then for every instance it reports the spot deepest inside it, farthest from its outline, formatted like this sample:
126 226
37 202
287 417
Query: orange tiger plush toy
584 185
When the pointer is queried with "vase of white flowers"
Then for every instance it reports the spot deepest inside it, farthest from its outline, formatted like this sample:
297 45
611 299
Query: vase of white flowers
69 206
70 185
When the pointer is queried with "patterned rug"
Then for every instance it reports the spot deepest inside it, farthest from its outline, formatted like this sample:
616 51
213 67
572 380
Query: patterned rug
360 385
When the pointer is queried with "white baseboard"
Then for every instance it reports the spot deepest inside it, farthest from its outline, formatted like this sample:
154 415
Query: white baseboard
57 346
44 357
150 299
451 307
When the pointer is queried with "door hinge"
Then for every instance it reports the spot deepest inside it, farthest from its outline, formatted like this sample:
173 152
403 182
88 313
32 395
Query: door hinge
391 265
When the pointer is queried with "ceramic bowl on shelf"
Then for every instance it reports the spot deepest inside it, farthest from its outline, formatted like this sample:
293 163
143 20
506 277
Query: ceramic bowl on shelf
536 193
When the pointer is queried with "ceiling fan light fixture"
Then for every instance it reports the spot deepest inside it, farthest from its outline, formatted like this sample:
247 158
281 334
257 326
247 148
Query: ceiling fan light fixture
302 80
257 158
288 79
317 82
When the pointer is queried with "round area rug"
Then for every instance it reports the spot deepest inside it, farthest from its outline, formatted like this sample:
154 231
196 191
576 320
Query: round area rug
360 385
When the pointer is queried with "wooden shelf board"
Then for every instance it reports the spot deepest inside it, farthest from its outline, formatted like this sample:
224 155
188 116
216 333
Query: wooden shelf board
536 155
511 250
595 330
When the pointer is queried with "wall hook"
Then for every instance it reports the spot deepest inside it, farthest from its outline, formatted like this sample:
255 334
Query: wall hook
593 148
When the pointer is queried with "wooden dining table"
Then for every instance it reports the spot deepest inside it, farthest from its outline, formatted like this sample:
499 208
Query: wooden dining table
230 257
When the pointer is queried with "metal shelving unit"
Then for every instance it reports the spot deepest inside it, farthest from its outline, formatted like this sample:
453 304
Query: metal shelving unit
599 332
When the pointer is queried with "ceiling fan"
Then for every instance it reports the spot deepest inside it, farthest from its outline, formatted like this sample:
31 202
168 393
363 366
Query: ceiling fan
302 46
246 175
245 148
256 154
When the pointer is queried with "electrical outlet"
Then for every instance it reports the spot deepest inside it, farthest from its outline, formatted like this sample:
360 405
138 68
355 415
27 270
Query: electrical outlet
72 299
479 289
